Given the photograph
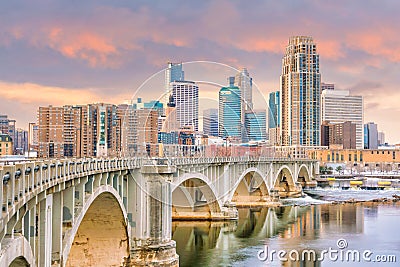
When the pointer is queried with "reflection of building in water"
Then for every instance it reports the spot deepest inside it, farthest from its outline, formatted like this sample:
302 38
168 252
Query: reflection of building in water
342 218
299 222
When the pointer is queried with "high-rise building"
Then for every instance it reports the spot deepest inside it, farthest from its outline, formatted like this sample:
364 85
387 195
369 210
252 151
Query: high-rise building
171 124
210 122
145 132
245 83
381 138
173 73
79 131
300 93
327 86
274 118
51 127
338 106
33 137
255 125
21 142
230 112
186 96
370 136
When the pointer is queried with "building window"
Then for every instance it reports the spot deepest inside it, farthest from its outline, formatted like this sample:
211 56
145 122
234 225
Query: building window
341 158
328 158
349 157
355 157
361 156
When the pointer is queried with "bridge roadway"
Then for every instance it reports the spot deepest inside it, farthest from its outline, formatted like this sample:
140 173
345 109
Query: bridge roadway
118 211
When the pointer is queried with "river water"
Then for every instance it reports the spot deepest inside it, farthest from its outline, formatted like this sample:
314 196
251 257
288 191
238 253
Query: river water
370 231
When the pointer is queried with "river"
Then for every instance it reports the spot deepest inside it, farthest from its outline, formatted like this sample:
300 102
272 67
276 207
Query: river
369 231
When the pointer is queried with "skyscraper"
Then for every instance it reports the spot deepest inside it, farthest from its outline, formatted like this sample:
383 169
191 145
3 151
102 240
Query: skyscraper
186 96
370 136
245 83
230 112
338 106
300 93
274 118
255 124
210 122
174 72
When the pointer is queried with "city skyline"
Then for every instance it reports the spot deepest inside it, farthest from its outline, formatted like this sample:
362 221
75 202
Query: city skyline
67 54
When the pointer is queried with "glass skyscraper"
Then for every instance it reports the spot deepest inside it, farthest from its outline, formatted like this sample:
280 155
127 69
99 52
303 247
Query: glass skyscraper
210 122
230 112
174 72
255 124
273 110
300 93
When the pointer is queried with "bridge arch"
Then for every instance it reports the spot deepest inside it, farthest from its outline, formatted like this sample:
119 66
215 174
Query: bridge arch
303 175
18 252
193 193
100 230
251 186
285 181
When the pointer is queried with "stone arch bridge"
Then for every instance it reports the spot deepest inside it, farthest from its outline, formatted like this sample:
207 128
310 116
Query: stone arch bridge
118 211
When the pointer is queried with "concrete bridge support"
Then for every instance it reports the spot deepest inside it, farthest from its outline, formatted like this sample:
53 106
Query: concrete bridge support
153 245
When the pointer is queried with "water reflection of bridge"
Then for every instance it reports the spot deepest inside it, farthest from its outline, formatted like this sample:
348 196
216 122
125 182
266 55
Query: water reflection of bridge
256 226
253 224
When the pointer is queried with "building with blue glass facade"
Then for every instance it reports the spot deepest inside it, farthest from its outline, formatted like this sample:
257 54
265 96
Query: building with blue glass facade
210 122
255 124
230 112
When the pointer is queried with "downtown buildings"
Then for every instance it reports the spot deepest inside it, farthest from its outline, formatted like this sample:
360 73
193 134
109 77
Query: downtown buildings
338 106
300 93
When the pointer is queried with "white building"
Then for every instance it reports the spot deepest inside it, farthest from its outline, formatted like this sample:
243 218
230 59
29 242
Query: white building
186 96
338 106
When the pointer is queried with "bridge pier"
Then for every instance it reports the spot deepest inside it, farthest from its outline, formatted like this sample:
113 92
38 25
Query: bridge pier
152 244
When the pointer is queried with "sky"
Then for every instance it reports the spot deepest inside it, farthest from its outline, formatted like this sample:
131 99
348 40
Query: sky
77 52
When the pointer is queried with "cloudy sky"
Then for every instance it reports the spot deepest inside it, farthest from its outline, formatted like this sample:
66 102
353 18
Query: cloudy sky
75 52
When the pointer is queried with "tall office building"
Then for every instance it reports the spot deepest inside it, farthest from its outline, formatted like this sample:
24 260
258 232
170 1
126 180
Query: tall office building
230 112
370 136
245 83
255 125
274 118
186 96
338 106
210 122
381 138
173 73
20 142
300 93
